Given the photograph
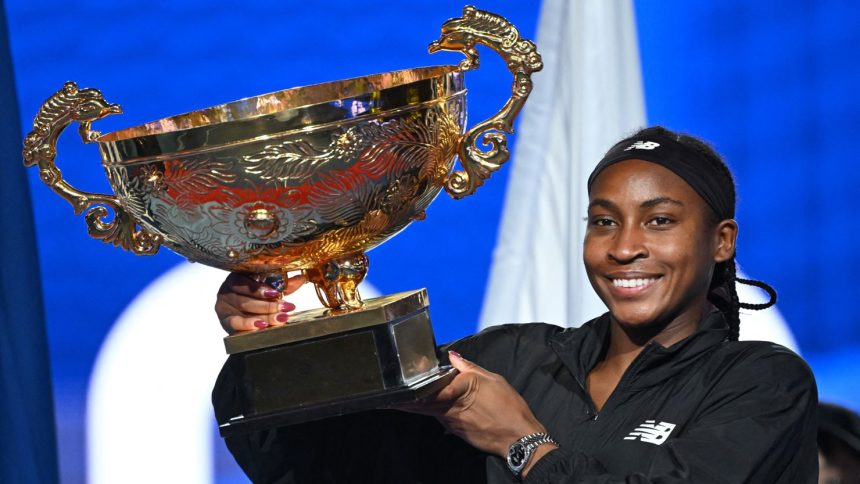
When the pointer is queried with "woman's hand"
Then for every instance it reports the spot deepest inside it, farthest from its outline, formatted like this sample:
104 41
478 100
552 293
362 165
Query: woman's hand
482 408
244 304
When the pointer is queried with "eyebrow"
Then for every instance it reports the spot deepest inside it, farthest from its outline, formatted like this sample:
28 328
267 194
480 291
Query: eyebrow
602 202
660 200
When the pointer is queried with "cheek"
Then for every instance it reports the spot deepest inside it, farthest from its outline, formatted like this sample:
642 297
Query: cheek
591 255
690 256
674 250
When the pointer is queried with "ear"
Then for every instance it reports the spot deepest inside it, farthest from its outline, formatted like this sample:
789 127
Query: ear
726 239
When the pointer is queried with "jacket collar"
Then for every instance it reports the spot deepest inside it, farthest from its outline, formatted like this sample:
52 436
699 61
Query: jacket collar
581 348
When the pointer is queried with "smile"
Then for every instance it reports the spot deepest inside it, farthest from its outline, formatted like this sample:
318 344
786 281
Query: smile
634 283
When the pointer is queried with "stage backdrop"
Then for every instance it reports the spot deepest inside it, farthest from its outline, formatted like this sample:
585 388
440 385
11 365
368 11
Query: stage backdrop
770 83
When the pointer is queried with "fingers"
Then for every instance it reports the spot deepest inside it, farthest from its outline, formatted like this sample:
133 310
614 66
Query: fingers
244 304
236 323
252 305
460 394
245 285
256 315
436 404
293 284
463 383
458 391
453 394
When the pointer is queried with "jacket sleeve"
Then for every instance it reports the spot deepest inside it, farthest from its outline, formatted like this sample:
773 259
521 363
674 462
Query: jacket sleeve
757 425
274 455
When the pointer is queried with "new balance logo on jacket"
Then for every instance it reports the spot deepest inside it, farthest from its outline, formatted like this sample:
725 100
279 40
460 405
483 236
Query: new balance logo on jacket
652 432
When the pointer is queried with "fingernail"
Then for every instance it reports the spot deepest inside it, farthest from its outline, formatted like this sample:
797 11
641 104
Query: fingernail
271 293
455 354
282 317
261 324
287 306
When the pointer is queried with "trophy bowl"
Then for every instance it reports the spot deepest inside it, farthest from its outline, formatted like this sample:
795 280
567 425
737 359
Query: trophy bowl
308 178
292 180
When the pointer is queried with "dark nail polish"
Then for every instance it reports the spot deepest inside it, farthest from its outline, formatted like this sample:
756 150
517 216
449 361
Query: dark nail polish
271 293
455 354
282 317
287 306
261 324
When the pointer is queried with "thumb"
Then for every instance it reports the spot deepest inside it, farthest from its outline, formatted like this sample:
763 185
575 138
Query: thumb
460 363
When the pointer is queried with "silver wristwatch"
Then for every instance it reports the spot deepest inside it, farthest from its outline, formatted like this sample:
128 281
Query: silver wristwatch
521 451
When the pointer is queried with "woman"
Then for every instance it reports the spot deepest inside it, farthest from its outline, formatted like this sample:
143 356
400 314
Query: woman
656 390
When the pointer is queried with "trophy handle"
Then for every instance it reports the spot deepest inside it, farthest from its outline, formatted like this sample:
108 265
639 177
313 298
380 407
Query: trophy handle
461 34
40 148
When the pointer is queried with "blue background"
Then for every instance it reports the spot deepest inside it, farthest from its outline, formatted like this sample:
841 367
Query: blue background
771 84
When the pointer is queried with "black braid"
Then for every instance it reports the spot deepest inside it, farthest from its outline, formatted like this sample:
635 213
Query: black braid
733 316
723 291
771 292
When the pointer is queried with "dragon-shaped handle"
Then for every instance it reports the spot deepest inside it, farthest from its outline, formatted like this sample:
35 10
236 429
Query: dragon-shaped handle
40 148
461 34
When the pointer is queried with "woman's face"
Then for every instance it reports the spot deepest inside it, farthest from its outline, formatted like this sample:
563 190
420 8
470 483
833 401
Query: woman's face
650 246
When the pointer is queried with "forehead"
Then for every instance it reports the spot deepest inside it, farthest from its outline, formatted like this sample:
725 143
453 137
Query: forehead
637 181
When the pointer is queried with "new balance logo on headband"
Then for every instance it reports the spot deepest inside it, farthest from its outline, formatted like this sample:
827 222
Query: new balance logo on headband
652 432
642 145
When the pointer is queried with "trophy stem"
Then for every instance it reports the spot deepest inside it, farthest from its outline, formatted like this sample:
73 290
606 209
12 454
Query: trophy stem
337 281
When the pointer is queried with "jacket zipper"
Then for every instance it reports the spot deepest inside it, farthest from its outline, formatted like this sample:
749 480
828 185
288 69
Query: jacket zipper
592 408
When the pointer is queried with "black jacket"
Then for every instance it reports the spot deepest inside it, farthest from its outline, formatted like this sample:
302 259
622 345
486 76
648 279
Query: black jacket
702 410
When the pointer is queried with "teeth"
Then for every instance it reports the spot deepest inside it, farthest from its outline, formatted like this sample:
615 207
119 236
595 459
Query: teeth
633 282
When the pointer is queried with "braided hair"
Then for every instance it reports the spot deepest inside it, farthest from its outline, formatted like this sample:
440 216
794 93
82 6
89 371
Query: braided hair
722 293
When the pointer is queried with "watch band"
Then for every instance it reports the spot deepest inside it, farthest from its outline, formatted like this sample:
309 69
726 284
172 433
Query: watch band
520 452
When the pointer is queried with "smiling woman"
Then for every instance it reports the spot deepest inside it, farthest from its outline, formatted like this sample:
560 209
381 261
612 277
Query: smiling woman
643 220
656 390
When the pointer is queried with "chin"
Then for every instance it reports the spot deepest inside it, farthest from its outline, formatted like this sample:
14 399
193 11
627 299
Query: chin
634 317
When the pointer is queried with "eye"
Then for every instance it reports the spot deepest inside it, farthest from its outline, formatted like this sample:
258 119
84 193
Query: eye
601 221
660 221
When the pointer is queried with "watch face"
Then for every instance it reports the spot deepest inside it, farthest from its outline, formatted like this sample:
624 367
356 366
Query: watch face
516 455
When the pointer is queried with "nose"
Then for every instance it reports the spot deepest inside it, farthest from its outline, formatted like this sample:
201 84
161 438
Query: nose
628 245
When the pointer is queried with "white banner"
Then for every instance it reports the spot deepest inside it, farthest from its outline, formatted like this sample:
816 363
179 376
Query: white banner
588 96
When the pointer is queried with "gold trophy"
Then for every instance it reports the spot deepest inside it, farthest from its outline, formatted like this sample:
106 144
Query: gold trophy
305 179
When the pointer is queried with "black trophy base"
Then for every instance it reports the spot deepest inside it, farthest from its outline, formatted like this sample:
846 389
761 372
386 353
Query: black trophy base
325 364
378 400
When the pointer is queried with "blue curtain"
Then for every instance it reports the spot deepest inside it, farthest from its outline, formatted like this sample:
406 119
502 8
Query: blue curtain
27 437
